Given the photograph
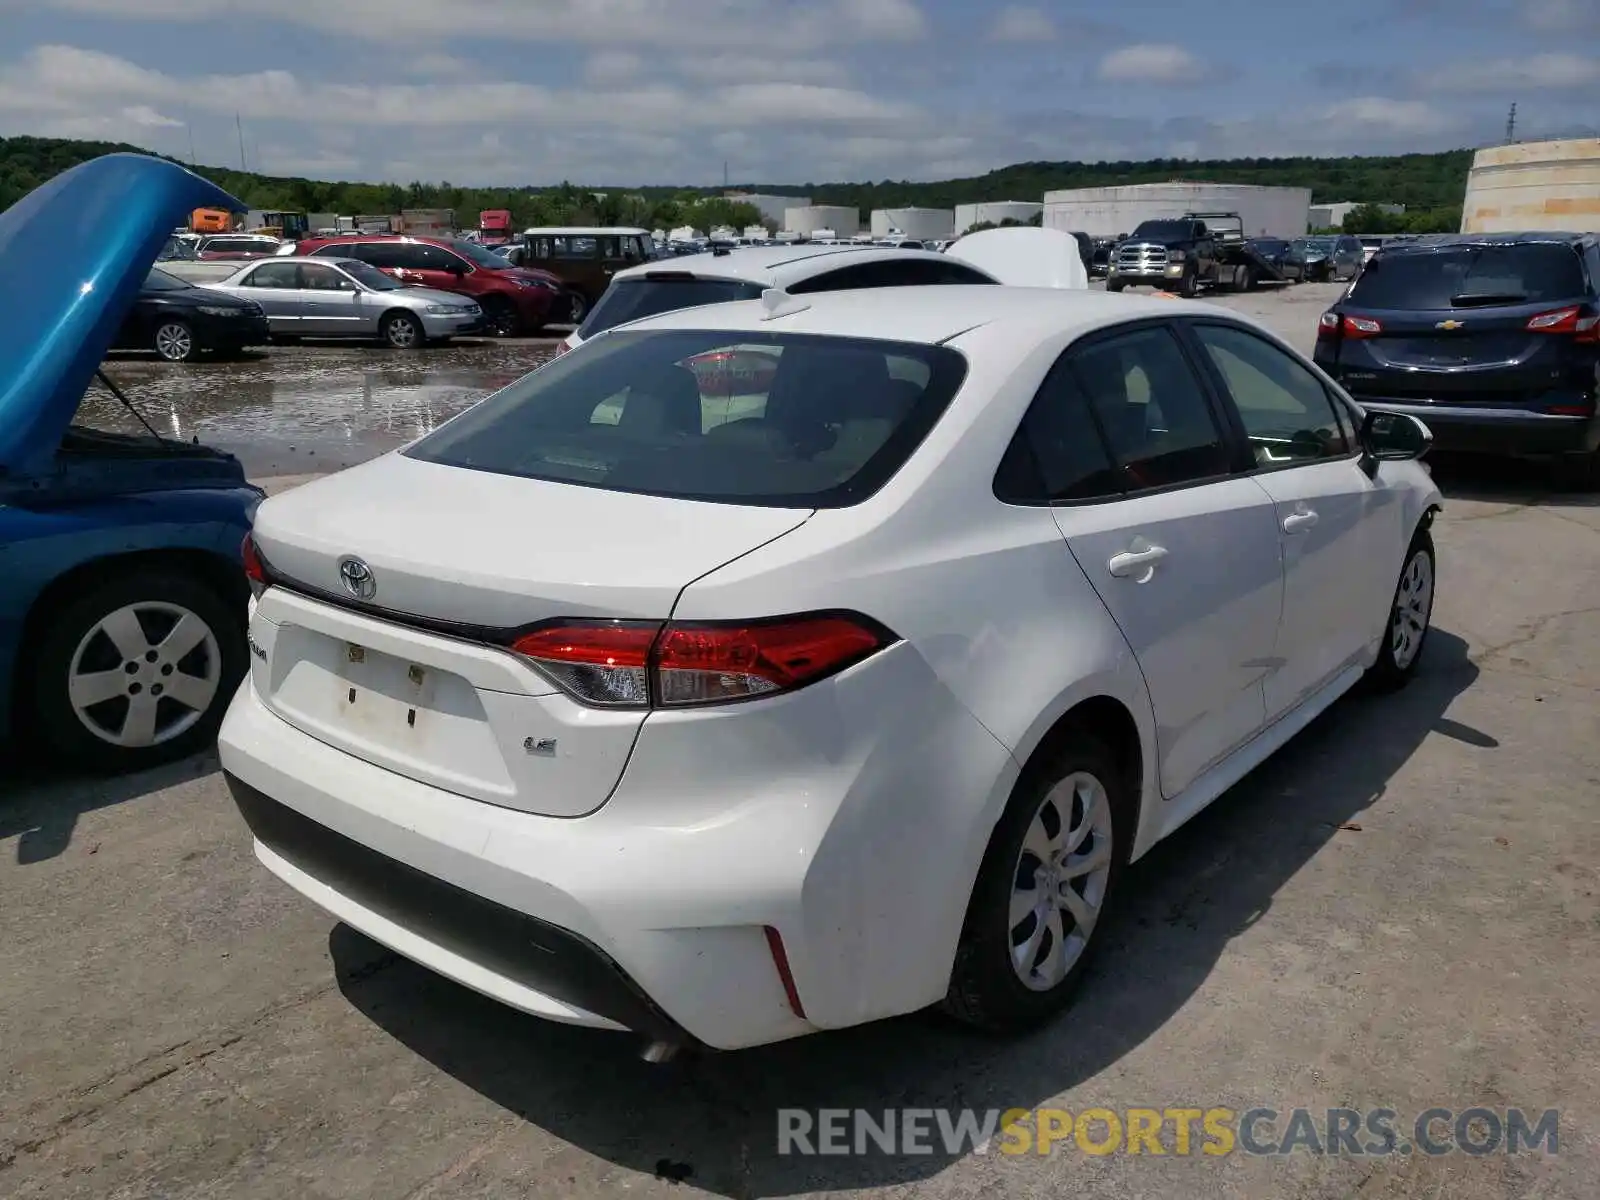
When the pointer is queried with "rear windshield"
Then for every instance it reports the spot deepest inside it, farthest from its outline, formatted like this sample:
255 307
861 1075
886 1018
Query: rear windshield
1468 276
633 299
1164 229
778 420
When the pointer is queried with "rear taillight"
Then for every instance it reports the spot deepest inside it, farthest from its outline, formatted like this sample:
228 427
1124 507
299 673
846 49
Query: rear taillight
1562 320
642 664
561 348
599 662
1582 329
1328 325
1360 327
255 569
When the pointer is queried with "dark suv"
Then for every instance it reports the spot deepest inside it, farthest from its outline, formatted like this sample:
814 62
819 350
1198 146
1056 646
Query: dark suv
1492 339
515 300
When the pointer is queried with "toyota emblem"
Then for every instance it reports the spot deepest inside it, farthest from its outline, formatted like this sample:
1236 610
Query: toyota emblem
357 578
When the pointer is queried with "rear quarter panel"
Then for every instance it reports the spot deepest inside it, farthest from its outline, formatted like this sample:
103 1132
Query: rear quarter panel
40 545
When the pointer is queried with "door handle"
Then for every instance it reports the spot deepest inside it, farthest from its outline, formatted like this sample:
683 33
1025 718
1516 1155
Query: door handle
1297 521
1136 562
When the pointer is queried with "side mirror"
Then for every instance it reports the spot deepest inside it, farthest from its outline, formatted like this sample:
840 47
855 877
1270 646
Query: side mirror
1392 437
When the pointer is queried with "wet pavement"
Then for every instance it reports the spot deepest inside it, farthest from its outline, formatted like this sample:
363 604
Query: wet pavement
310 409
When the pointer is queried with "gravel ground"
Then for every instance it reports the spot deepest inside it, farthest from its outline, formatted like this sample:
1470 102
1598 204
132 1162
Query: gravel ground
1397 911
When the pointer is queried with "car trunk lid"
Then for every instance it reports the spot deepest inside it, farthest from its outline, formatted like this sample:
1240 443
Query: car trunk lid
404 665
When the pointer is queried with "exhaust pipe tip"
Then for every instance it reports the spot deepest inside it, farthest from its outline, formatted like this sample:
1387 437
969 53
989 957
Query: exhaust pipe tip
660 1052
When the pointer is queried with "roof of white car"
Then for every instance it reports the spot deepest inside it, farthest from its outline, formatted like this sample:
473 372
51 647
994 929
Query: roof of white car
583 231
933 314
776 266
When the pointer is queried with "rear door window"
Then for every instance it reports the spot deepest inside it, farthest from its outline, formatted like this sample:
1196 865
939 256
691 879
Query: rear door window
633 299
1153 408
778 420
273 275
1470 276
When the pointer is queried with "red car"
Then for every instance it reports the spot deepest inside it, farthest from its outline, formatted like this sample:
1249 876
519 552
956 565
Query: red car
239 246
515 300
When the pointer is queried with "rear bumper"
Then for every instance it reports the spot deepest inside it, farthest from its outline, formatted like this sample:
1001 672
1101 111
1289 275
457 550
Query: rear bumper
540 966
788 815
1485 430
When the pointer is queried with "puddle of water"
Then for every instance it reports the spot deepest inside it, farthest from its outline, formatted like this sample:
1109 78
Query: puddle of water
294 410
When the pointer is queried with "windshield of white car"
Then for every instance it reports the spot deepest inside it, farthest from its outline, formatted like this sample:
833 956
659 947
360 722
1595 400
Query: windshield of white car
159 281
478 256
775 420
658 292
369 276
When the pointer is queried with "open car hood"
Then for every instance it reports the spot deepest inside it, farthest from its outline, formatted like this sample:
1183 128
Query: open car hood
76 251
1025 256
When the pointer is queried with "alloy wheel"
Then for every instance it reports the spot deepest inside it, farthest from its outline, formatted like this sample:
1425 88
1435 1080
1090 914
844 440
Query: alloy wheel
1060 882
174 342
144 674
1413 607
402 333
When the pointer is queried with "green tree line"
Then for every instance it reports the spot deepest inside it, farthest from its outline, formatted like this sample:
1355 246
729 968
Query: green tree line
1429 185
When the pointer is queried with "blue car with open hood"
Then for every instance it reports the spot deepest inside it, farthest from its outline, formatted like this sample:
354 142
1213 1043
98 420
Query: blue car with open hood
122 594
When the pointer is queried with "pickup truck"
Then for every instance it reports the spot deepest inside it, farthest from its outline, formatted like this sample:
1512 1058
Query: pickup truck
1185 254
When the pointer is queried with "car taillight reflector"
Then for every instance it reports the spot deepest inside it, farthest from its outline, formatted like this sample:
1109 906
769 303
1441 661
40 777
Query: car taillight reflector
599 662
255 569
1361 327
561 348
1588 331
1328 325
637 664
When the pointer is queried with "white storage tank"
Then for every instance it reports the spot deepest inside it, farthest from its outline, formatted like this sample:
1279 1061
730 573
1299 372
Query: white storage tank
996 212
1110 211
806 220
923 224
1534 185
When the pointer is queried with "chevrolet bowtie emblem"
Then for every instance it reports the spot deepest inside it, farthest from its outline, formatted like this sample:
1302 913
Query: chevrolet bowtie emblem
1449 324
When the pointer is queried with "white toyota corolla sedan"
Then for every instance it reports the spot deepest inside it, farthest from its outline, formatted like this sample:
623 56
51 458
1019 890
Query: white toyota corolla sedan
783 665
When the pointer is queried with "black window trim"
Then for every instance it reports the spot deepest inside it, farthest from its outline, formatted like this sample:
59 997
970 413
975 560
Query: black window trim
1222 413
1219 384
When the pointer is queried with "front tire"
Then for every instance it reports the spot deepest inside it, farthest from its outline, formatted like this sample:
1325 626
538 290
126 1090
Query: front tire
1047 878
402 331
1410 618
1189 285
500 315
136 671
1115 285
174 341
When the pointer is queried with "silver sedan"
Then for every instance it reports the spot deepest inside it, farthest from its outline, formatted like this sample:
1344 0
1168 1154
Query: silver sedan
343 298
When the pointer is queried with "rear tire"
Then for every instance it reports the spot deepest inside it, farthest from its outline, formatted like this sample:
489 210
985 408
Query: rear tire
1066 829
1579 472
576 308
1410 618
103 702
402 331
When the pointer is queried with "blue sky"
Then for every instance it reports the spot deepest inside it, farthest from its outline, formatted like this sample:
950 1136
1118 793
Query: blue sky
664 91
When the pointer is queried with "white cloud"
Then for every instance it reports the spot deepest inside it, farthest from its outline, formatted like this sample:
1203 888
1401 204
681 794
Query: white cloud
1563 16
613 66
611 22
1407 118
66 79
745 67
436 66
1018 24
1153 63
1550 71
